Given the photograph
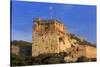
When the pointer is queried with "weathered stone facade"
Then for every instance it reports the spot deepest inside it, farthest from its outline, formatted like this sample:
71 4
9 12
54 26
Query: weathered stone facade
49 36
90 51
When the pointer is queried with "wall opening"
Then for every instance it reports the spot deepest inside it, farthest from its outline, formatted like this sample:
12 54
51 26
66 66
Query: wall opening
61 40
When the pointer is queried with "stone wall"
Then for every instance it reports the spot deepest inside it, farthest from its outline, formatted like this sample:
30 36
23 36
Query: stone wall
90 51
49 25
46 43
49 36
15 49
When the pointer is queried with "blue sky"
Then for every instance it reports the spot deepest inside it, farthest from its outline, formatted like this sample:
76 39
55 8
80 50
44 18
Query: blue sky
78 19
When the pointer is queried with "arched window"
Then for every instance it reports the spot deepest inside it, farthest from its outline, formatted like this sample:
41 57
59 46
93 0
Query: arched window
61 40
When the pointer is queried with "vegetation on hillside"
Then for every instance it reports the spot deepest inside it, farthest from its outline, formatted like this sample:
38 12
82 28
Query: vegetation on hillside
20 43
47 58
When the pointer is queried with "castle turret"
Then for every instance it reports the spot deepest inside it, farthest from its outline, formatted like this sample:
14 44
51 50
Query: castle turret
48 25
49 36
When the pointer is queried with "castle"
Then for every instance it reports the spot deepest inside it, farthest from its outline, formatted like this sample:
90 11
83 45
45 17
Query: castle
49 36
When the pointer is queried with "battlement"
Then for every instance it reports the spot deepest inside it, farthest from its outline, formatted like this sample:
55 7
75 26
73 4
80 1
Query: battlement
49 25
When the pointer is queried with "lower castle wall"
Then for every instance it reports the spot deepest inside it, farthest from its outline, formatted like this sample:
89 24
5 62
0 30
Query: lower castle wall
90 51
44 44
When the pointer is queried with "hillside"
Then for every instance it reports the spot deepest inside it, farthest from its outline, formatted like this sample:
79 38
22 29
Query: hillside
20 43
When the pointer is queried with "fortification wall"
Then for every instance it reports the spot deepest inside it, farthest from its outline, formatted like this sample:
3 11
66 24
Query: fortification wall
47 43
90 51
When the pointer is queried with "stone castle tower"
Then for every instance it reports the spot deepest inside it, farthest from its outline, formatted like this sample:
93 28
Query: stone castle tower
49 36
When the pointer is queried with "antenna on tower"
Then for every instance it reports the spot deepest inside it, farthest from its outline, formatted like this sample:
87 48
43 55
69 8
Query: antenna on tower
50 9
